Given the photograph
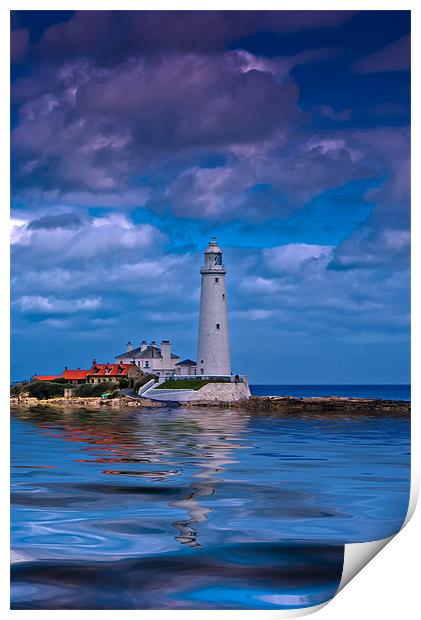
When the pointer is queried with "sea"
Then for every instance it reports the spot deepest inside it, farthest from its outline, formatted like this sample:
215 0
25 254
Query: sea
383 392
200 508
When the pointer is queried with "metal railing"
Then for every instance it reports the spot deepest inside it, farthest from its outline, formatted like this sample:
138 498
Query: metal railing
222 378
144 388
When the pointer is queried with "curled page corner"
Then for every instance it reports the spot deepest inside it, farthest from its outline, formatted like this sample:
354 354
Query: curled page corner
266 614
358 555
413 496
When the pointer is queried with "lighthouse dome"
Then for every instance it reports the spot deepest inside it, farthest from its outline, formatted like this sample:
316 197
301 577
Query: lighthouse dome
213 258
213 247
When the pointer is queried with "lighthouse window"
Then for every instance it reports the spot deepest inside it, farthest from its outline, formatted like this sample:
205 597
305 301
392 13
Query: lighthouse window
223 295
218 326
217 280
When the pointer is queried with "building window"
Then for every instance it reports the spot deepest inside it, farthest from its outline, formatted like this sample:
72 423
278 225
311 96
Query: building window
201 361
216 280
223 295
146 364
218 326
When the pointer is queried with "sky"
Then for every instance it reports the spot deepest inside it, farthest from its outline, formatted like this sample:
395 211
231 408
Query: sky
137 136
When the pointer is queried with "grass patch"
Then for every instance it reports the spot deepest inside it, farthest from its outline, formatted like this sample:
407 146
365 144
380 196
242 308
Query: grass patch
186 384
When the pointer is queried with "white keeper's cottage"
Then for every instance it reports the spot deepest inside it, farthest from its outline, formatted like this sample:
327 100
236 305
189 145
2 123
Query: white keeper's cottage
157 360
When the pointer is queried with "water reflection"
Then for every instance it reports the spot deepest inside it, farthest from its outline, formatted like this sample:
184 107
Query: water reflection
251 512
207 440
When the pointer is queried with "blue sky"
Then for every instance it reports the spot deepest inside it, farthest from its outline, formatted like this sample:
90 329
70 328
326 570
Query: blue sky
138 136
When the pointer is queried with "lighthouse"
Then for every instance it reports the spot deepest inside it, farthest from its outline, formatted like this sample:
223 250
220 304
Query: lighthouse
213 354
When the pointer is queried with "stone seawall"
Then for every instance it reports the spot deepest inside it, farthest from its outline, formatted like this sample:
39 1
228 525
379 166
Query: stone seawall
211 393
223 392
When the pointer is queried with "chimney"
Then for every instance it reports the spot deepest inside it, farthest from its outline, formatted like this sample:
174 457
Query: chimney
153 343
129 346
166 354
94 361
65 368
143 346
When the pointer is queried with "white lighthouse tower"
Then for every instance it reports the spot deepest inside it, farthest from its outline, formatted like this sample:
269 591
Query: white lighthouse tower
213 354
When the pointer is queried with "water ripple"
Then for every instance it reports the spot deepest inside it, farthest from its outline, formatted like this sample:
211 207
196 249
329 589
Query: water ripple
196 509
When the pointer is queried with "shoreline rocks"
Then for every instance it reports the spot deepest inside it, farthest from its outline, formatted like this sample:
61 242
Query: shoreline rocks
279 405
329 405
76 402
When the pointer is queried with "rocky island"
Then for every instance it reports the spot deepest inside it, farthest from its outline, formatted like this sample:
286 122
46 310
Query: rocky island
278 405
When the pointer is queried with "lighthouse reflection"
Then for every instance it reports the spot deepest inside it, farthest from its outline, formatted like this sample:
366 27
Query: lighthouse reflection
216 439
186 450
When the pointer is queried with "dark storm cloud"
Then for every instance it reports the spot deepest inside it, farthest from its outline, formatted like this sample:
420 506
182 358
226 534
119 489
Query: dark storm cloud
271 179
115 34
92 127
19 44
384 240
63 220
393 57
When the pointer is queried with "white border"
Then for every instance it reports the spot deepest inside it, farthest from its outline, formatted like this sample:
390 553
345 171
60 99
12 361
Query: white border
345 606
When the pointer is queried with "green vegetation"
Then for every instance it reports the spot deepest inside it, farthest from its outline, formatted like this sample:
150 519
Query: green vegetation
50 389
17 389
45 389
122 382
186 384
96 389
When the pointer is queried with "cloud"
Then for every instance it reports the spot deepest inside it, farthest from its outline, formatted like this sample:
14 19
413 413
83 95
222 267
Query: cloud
50 305
384 239
255 314
326 111
107 257
113 34
19 45
64 220
131 290
296 256
169 118
265 180
97 129
370 248
53 240
212 136
393 57
297 21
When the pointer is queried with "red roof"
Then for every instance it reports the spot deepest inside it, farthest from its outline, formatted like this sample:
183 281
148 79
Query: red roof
109 370
46 377
75 374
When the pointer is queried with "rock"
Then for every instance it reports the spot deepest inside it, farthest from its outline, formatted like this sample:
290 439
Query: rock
328 405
